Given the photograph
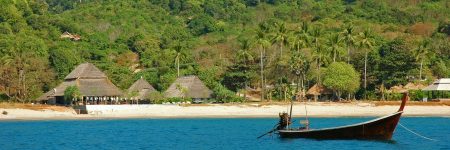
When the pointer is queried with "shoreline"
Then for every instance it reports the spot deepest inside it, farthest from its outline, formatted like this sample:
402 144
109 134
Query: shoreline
315 110
192 117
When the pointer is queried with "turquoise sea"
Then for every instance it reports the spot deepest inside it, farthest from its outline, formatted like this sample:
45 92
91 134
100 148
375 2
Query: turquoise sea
206 133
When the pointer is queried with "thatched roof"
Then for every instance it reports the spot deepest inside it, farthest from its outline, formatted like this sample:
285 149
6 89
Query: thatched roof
89 80
142 87
188 86
318 90
85 70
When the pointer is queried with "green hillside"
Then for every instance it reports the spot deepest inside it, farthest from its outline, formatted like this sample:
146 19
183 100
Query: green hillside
222 41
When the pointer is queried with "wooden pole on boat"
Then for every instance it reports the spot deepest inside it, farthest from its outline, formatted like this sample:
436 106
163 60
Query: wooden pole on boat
293 98
290 111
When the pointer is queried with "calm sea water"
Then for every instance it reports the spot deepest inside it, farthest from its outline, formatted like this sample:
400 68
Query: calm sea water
218 133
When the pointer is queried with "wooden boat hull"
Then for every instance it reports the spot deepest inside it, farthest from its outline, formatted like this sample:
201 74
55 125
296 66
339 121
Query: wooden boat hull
378 129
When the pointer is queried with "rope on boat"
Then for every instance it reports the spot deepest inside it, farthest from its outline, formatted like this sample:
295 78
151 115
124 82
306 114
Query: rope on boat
416 133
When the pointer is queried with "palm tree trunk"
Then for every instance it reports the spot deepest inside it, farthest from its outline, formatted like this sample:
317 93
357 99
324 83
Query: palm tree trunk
262 75
334 56
281 50
365 75
348 54
318 70
245 91
178 66
420 72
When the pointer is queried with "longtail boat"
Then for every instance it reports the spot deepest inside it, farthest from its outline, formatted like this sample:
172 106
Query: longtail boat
377 129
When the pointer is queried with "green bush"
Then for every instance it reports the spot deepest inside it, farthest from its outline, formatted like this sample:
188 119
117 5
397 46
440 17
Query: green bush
156 97
416 95
394 96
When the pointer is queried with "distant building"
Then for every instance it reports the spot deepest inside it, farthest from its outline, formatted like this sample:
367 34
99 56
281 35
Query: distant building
142 89
94 86
74 37
319 92
188 87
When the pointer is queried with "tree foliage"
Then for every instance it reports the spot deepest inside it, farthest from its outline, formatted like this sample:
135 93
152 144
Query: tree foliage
72 93
341 78
129 39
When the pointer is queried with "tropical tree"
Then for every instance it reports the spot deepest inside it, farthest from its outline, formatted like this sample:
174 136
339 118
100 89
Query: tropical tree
421 53
301 38
365 43
245 57
393 56
341 77
72 93
179 54
299 65
263 42
320 55
334 45
281 36
349 38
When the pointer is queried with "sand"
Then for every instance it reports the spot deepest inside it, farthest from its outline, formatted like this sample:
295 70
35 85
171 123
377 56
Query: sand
227 111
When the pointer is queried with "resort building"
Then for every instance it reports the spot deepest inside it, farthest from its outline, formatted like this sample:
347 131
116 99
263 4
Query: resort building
93 85
319 92
188 87
140 91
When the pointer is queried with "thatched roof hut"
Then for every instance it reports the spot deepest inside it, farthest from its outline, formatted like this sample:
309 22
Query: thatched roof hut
142 87
318 90
89 80
188 86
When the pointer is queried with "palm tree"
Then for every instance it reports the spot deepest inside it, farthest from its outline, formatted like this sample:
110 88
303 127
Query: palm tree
281 36
334 43
180 54
349 39
320 55
261 40
301 38
298 66
366 42
421 53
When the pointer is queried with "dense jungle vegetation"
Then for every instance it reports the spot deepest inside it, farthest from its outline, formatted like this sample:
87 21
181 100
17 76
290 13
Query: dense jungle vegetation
356 48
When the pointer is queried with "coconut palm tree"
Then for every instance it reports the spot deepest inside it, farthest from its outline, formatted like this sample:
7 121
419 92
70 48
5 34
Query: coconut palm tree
334 45
365 43
321 57
320 53
301 38
263 42
349 38
281 36
421 53
179 54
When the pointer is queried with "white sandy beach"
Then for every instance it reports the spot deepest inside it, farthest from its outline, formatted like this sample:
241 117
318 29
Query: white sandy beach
218 110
